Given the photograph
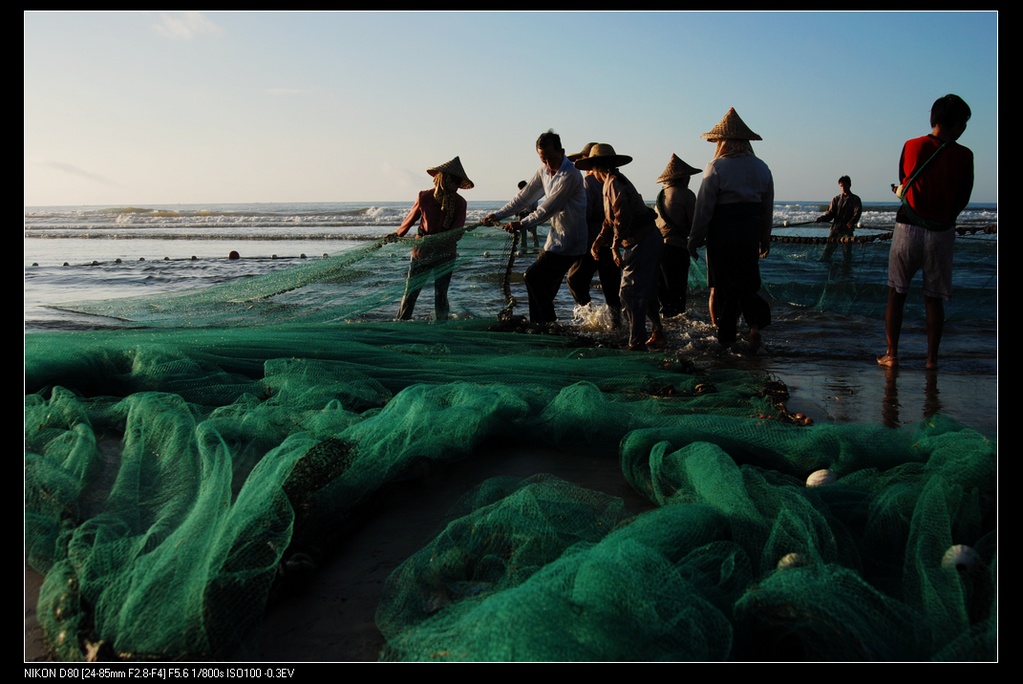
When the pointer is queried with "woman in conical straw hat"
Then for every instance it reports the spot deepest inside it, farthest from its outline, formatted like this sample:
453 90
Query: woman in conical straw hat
734 209
675 206
629 227
437 210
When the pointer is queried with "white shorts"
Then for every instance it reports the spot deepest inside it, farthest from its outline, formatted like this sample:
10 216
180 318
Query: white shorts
914 249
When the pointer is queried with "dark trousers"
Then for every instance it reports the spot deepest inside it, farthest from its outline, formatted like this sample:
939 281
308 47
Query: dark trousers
522 236
543 280
733 269
673 282
639 286
419 272
580 277
835 233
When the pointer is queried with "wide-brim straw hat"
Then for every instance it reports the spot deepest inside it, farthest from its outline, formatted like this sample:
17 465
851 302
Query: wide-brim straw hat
677 168
453 167
604 156
585 153
731 127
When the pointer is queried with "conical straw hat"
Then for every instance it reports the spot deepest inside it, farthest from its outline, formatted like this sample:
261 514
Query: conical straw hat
676 168
731 127
453 167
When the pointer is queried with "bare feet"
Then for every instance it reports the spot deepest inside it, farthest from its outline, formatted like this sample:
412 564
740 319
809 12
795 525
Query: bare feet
931 365
754 339
888 361
656 340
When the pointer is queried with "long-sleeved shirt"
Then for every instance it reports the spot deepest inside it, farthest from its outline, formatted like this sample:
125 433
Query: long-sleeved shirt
627 219
563 206
843 212
675 220
730 180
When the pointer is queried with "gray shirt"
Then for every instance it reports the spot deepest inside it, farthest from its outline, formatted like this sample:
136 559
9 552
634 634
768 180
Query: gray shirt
730 180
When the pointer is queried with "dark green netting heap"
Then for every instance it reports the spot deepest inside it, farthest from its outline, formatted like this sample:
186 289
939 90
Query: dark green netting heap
177 466
740 561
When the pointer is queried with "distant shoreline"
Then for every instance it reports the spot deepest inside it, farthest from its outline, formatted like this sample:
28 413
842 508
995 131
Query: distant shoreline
471 202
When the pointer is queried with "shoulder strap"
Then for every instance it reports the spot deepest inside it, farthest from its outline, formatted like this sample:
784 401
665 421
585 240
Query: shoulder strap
922 166
913 216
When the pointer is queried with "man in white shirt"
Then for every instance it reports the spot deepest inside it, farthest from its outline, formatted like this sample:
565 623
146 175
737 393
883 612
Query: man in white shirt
561 186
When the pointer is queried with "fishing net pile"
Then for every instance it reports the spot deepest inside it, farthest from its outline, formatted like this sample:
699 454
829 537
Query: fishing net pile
180 463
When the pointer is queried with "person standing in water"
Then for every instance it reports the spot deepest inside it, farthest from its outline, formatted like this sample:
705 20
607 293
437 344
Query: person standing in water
564 205
675 206
580 275
440 213
635 242
734 208
844 213
523 213
924 236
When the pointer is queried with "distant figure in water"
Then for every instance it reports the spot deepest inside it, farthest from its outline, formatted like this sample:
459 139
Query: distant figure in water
734 208
438 211
844 213
924 233
233 255
523 213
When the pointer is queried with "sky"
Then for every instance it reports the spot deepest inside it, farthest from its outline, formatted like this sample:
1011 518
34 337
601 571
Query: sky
165 108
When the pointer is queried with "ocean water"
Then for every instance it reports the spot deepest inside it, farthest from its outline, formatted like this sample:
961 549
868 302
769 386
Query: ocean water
825 316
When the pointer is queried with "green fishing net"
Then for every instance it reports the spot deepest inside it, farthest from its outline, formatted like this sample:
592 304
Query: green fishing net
179 457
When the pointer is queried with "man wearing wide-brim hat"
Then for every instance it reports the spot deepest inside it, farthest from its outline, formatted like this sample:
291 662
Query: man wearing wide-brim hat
629 226
734 210
675 206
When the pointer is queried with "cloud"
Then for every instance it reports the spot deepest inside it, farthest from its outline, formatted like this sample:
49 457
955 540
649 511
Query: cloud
401 177
284 92
185 25
72 170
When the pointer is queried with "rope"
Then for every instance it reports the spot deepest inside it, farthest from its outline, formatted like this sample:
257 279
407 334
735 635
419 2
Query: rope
506 313
990 229
786 224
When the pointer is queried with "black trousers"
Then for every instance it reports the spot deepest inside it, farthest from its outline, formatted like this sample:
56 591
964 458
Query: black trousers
580 277
673 283
733 268
543 280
